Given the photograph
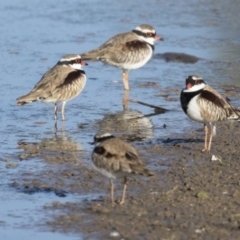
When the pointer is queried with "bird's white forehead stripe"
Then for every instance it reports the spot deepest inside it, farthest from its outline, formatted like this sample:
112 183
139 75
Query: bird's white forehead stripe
104 135
196 78
138 28
69 59
144 30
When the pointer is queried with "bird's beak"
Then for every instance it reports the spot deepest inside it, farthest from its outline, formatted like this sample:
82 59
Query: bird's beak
158 38
83 63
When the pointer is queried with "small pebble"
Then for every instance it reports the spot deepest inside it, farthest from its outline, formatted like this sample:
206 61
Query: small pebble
11 165
214 158
7 160
23 156
114 234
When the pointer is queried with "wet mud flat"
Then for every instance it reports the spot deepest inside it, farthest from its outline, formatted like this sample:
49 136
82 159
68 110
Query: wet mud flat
190 196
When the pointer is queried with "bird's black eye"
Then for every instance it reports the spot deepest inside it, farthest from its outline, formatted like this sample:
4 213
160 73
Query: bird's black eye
78 60
149 34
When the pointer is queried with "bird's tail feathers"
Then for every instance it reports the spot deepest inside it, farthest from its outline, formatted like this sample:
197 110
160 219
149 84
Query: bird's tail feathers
26 99
235 115
148 173
90 56
143 171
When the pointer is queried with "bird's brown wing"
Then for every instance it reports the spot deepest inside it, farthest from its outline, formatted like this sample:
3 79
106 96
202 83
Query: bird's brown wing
118 156
51 84
214 106
118 49
52 78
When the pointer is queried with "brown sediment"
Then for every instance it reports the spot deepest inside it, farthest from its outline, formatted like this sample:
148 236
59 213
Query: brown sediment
189 197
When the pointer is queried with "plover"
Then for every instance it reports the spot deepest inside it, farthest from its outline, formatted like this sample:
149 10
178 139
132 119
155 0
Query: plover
126 51
115 159
61 83
205 105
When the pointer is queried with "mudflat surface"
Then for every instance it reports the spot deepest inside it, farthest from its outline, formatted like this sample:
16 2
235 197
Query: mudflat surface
190 196
48 188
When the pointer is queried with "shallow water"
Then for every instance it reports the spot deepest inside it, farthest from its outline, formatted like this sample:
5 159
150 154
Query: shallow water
35 35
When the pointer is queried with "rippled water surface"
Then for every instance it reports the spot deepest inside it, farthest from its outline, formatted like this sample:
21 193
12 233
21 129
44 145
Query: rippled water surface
36 34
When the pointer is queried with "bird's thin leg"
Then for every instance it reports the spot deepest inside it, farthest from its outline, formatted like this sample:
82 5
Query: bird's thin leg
125 100
63 129
55 111
205 138
125 80
210 138
55 126
63 108
112 192
124 190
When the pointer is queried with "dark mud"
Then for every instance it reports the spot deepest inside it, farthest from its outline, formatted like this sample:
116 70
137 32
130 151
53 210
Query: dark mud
190 196
177 57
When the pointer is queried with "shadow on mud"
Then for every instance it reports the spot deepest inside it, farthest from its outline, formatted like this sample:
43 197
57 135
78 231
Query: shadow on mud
177 57
34 189
171 141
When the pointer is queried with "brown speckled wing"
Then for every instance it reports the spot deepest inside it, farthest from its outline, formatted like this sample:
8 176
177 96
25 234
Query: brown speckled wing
213 106
131 156
135 45
70 78
115 155
212 97
114 50
127 52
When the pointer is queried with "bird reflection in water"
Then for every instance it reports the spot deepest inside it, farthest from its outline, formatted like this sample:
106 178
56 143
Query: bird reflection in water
56 149
137 126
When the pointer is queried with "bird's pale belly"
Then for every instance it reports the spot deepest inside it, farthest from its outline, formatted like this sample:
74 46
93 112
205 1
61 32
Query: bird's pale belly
194 111
134 61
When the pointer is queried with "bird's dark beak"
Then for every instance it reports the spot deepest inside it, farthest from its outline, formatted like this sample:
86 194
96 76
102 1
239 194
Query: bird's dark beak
83 63
158 38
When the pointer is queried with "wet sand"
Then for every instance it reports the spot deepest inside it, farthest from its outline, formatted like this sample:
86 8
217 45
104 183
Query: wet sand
190 196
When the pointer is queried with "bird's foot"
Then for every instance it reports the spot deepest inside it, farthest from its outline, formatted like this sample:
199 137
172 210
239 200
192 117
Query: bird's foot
206 150
121 202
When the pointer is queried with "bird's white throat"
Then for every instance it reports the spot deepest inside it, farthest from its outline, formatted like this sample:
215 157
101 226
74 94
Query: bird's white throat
76 66
195 88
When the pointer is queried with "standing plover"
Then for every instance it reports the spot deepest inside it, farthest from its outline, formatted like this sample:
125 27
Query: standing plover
115 159
61 83
205 105
126 51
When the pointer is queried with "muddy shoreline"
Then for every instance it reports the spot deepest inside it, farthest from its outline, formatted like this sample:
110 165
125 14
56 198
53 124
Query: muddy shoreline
48 188
190 196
